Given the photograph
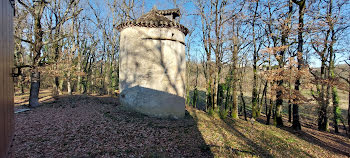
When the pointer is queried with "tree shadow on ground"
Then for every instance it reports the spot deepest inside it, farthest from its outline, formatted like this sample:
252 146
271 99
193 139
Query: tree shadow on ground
267 143
325 140
330 141
238 138
96 126
229 136
257 149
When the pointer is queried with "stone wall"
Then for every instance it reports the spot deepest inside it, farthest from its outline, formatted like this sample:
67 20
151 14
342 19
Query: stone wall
152 71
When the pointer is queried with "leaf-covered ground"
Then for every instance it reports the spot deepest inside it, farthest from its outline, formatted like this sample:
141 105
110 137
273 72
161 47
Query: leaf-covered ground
91 126
239 138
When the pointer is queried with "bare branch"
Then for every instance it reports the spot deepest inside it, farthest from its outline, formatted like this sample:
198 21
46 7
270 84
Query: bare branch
29 9
54 41
30 42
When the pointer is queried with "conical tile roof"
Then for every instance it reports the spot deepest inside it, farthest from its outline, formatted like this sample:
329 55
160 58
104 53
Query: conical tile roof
156 19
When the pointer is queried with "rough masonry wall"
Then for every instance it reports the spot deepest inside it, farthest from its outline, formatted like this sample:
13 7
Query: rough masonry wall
152 70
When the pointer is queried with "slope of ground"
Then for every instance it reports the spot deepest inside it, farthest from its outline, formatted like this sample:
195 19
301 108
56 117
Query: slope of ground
249 139
91 126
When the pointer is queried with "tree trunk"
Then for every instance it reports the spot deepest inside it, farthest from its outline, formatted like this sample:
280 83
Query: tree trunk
263 96
290 68
56 84
234 77
281 64
336 109
215 90
323 98
79 88
265 102
195 97
117 76
195 92
209 96
220 98
57 51
289 111
228 97
60 86
234 102
279 102
21 83
349 107
255 60
69 85
243 101
259 104
84 85
254 91
210 89
187 89
323 124
335 97
34 88
289 102
268 117
296 123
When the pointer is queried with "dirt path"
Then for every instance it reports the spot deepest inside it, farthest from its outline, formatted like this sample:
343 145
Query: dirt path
86 126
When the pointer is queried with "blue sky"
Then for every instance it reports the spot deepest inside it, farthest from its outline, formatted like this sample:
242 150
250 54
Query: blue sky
188 9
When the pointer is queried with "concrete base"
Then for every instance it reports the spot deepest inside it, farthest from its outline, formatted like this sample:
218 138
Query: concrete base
153 102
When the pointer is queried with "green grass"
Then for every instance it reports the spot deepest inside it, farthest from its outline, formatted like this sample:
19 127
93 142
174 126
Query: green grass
239 138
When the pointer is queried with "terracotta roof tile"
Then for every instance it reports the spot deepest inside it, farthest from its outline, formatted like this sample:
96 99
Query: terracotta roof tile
155 18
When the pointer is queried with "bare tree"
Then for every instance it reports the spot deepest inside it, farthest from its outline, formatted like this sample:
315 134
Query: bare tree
255 111
36 11
301 3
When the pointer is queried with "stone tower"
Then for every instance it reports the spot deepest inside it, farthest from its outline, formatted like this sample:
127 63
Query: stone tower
152 64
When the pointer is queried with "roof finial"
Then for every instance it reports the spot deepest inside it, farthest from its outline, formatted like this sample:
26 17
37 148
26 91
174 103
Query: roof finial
154 8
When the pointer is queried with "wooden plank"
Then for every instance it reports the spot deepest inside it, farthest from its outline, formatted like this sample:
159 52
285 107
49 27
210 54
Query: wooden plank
12 89
6 37
6 82
2 103
7 66
10 79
